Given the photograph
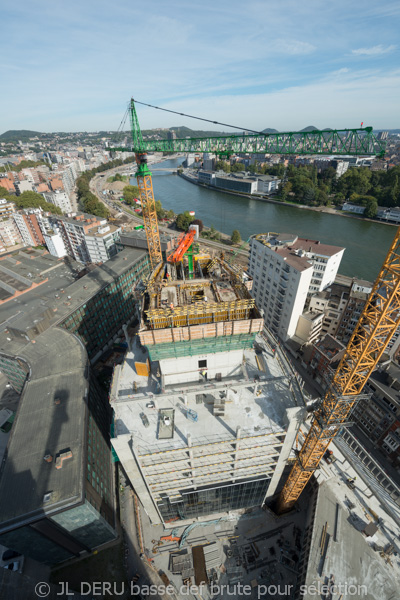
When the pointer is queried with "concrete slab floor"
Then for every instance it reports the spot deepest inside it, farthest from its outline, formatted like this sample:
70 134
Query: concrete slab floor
255 548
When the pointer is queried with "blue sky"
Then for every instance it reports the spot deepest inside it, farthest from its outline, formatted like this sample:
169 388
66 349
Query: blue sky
286 64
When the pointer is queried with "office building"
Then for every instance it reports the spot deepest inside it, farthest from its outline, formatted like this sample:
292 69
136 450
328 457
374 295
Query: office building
57 482
209 441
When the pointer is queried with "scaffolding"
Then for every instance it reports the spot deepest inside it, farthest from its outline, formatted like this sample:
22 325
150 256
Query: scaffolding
200 313
203 346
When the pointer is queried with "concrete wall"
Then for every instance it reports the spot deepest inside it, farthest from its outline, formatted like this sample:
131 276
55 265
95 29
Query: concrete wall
187 369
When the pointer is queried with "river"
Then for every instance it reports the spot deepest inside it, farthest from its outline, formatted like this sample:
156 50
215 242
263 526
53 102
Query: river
366 242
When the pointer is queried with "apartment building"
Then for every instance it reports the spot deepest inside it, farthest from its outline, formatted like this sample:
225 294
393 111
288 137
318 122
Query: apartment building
70 174
9 234
8 183
59 199
309 327
86 238
379 418
358 296
324 258
102 243
54 242
282 278
6 208
28 223
331 302
325 357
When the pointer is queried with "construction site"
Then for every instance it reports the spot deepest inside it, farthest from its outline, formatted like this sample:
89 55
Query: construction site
207 416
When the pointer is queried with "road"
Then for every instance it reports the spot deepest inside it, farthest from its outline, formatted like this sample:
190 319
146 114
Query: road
97 184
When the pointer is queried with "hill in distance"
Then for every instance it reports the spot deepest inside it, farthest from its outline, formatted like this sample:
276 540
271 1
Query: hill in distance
13 135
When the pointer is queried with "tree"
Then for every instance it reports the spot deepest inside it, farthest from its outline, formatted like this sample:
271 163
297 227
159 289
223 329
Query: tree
355 180
371 208
198 222
285 190
223 165
309 195
30 199
4 193
130 193
235 237
159 210
237 167
183 220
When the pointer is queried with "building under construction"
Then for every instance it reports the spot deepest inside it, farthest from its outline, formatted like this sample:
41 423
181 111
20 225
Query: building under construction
205 417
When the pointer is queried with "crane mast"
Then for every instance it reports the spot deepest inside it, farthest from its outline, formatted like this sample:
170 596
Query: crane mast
380 317
146 194
376 326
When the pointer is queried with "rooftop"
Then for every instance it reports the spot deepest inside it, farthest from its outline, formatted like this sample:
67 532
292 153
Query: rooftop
58 362
59 294
255 415
297 244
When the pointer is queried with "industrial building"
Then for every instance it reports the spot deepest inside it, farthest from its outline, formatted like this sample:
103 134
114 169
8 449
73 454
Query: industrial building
203 424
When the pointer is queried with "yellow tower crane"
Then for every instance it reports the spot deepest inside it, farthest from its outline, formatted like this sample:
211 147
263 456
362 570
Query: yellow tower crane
381 315
376 326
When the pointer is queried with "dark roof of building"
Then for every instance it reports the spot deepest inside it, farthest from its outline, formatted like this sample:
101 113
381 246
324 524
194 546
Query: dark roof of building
316 247
61 294
50 420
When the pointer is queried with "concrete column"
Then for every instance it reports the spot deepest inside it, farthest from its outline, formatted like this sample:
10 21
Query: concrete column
125 330
237 448
295 416
124 448
190 451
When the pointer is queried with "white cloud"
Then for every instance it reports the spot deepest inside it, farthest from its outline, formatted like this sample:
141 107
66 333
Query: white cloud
292 47
337 100
374 50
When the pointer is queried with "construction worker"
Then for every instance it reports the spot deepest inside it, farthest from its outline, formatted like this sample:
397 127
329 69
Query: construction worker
204 374
171 306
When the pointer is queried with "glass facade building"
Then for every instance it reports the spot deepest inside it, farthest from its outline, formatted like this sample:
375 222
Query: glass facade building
215 499
100 318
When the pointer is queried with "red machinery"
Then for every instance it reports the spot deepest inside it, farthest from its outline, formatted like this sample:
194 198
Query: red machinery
184 244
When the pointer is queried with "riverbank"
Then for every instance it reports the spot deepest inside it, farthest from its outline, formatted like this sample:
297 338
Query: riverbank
320 209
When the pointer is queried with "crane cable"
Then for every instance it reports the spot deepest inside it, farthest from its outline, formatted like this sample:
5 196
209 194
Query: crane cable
200 118
120 129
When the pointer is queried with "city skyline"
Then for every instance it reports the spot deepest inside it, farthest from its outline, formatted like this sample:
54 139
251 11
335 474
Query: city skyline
75 68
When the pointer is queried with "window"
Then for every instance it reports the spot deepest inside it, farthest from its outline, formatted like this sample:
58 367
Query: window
202 364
